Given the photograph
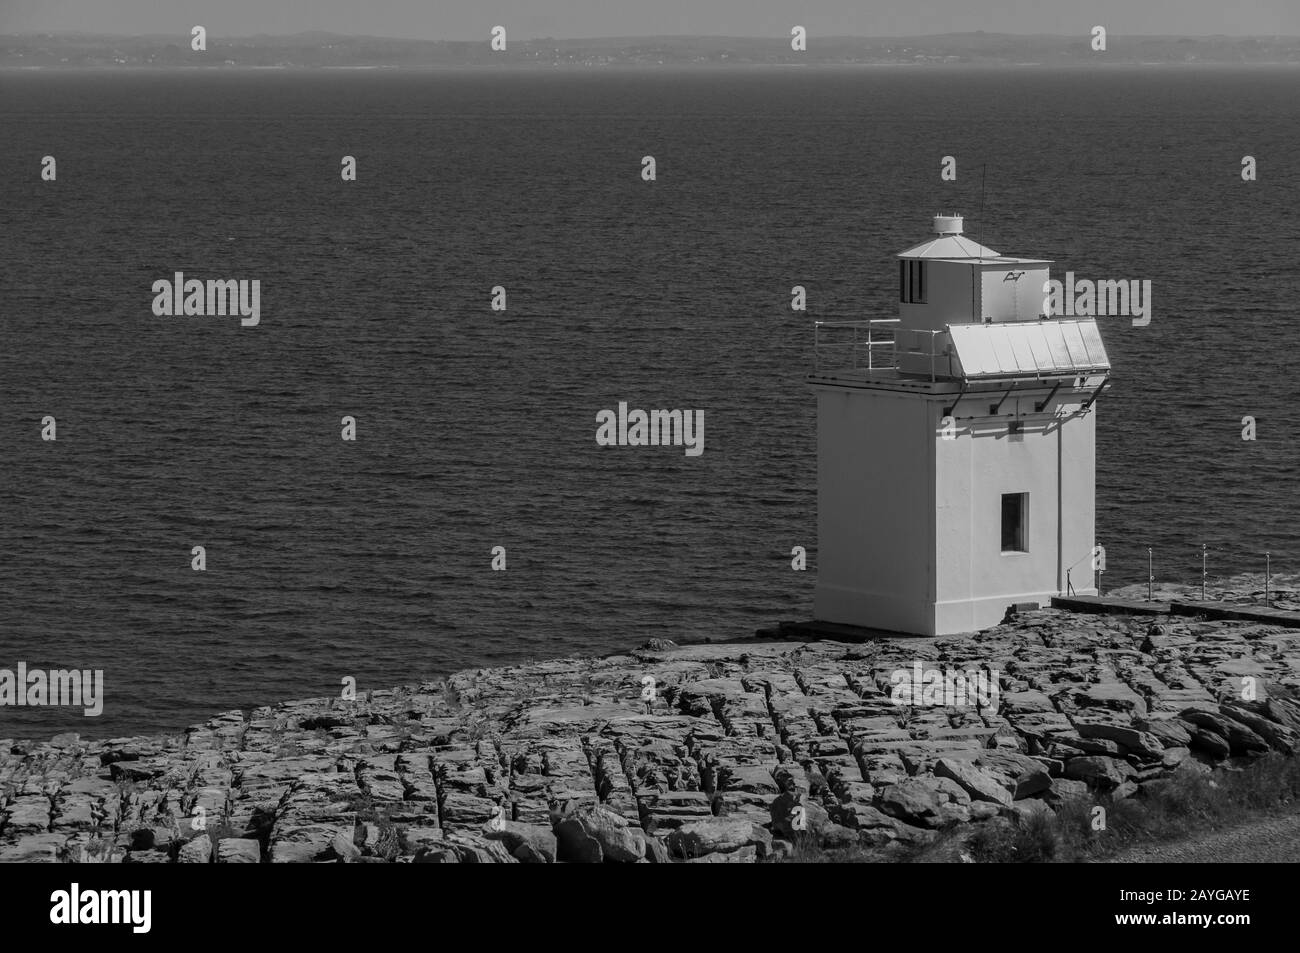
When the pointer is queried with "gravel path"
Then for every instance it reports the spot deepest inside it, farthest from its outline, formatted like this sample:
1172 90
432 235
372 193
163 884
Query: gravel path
1272 841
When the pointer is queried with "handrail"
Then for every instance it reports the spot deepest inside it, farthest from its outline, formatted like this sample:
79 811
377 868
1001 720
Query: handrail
1206 551
872 343
856 326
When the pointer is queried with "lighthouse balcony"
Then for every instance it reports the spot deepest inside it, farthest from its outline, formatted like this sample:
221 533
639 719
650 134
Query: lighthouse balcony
880 349
866 344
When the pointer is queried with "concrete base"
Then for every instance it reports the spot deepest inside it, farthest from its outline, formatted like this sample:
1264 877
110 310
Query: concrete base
815 629
871 610
1109 606
885 611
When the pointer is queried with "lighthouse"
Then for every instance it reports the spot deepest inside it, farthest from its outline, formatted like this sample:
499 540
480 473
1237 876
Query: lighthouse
955 446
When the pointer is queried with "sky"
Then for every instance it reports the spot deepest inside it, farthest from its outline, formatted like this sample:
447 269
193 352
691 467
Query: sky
527 19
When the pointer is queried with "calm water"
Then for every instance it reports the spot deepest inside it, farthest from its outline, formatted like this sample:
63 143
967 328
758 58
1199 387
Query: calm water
476 429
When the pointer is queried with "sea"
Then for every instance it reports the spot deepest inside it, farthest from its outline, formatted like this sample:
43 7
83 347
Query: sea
328 560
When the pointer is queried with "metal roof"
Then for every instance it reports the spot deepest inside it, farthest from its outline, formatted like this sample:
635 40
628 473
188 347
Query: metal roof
996 260
1023 348
948 246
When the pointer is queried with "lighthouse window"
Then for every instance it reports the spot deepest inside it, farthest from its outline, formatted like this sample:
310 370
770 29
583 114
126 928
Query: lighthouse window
911 281
1014 506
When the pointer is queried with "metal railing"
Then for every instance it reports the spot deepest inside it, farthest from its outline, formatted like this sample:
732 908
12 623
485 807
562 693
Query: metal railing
871 344
1262 558
928 349
865 339
1240 556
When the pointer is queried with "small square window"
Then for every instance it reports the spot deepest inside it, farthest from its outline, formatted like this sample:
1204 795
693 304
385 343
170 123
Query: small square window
1015 509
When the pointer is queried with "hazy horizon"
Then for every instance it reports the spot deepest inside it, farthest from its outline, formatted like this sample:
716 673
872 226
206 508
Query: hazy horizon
325 49
587 19
660 36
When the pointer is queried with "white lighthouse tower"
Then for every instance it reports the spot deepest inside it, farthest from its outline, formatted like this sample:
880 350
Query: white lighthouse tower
955 456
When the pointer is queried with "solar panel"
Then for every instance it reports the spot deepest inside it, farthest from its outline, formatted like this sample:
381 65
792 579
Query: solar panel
1092 340
978 356
1074 342
1042 353
1019 336
1034 348
1004 357
1055 339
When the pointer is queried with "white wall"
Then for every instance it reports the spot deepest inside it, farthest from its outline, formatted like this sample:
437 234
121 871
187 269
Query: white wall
950 292
909 523
875 508
1055 464
1079 489
1019 300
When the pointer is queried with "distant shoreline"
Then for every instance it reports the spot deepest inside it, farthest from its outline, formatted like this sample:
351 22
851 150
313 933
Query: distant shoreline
327 50
648 67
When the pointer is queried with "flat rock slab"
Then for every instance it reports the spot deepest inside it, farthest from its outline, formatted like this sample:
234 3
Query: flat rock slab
561 760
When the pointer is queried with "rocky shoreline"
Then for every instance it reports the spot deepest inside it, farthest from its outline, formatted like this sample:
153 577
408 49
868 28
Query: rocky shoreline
731 754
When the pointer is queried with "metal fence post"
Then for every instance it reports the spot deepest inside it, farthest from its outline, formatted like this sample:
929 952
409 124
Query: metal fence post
1204 554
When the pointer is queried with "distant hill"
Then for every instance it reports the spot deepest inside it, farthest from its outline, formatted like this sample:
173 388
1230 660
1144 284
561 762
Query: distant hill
318 50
